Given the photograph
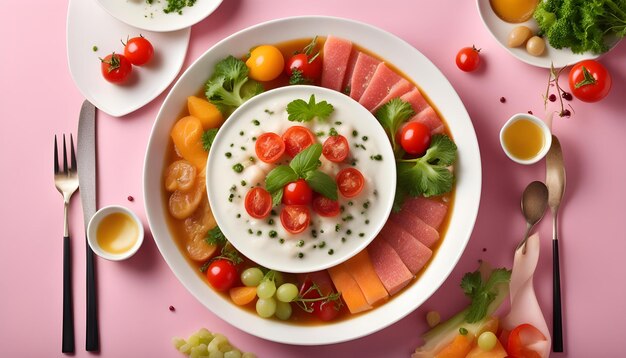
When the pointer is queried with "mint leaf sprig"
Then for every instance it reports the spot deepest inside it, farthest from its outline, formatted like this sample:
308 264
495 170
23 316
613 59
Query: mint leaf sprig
301 111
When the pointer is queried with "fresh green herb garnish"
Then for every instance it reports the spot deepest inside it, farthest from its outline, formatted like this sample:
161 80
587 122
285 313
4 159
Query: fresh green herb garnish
463 331
230 87
482 293
215 237
208 137
301 111
391 116
297 78
238 168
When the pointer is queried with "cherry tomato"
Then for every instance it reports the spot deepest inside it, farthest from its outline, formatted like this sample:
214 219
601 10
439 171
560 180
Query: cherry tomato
350 182
520 337
138 50
258 203
222 274
336 148
310 67
468 59
296 139
415 138
265 63
326 310
297 193
269 147
589 81
324 206
115 68
295 218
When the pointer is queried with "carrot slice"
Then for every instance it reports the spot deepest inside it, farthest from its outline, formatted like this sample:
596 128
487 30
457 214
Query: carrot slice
205 111
459 348
242 295
361 268
350 290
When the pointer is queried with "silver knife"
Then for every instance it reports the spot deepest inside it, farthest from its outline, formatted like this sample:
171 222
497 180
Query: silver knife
555 181
86 160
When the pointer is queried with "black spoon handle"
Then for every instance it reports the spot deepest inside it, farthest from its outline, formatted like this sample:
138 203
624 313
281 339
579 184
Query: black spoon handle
557 319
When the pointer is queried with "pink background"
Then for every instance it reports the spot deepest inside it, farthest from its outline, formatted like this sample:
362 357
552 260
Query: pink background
39 99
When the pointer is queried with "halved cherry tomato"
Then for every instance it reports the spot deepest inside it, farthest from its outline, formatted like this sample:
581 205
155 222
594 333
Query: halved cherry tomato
222 274
269 147
295 218
325 207
138 50
520 337
468 59
336 148
591 86
296 139
115 68
350 182
258 203
309 67
265 63
297 193
415 138
325 310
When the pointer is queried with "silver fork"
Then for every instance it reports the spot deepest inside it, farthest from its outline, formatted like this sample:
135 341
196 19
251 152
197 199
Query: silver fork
66 182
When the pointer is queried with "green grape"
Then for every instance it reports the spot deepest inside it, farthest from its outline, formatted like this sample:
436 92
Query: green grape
266 289
283 310
278 278
248 355
266 307
193 340
235 353
287 292
178 342
252 276
185 348
487 341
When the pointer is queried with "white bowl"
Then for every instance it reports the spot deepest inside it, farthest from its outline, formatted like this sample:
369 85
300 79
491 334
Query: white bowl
92 229
545 131
406 59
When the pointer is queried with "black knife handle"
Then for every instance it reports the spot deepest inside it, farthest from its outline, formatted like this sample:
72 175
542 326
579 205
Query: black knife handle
67 345
557 320
92 343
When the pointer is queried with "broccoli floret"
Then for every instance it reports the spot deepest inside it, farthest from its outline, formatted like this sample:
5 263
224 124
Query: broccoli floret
544 18
230 87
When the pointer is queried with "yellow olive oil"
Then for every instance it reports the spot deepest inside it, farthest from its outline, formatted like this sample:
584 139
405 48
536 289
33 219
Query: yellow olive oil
524 139
117 233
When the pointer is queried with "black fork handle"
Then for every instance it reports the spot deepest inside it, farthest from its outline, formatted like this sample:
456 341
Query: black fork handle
68 311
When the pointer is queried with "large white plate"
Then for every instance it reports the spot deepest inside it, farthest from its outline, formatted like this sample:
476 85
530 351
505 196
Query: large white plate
88 26
140 14
408 60
500 30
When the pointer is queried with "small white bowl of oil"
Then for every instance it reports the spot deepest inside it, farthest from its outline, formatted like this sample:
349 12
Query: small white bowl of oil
115 233
525 138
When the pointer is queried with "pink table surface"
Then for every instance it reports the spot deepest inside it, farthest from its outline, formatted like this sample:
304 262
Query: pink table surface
39 99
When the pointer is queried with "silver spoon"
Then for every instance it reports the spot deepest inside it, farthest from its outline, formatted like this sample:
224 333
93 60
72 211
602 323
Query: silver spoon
534 204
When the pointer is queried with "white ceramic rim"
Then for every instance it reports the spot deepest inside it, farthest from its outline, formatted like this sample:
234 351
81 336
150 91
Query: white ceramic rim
545 130
463 214
92 228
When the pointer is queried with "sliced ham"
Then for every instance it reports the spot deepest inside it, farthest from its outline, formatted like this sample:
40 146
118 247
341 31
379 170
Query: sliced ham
354 54
336 55
432 212
415 98
388 266
399 89
430 118
412 252
415 226
381 83
364 68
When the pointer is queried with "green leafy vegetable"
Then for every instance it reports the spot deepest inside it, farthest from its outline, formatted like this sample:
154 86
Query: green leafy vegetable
297 78
277 197
307 160
301 111
482 293
230 87
215 237
279 177
208 137
391 116
322 183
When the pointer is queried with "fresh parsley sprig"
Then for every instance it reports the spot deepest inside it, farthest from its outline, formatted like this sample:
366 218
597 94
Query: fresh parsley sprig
208 137
482 293
301 111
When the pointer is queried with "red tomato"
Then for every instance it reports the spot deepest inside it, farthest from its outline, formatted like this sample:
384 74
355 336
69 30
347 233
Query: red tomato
258 203
269 147
325 207
520 337
222 274
325 310
591 86
350 182
468 59
296 139
336 148
415 138
138 50
295 218
310 67
115 68
297 193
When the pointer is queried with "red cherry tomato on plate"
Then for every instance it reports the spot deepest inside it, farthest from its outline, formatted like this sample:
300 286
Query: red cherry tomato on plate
591 86
324 206
258 203
295 218
350 182
297 193
415 138
138 50
310 67
326 310
336 148
468 59
115 68
297 138
269 147
520 337
222 274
